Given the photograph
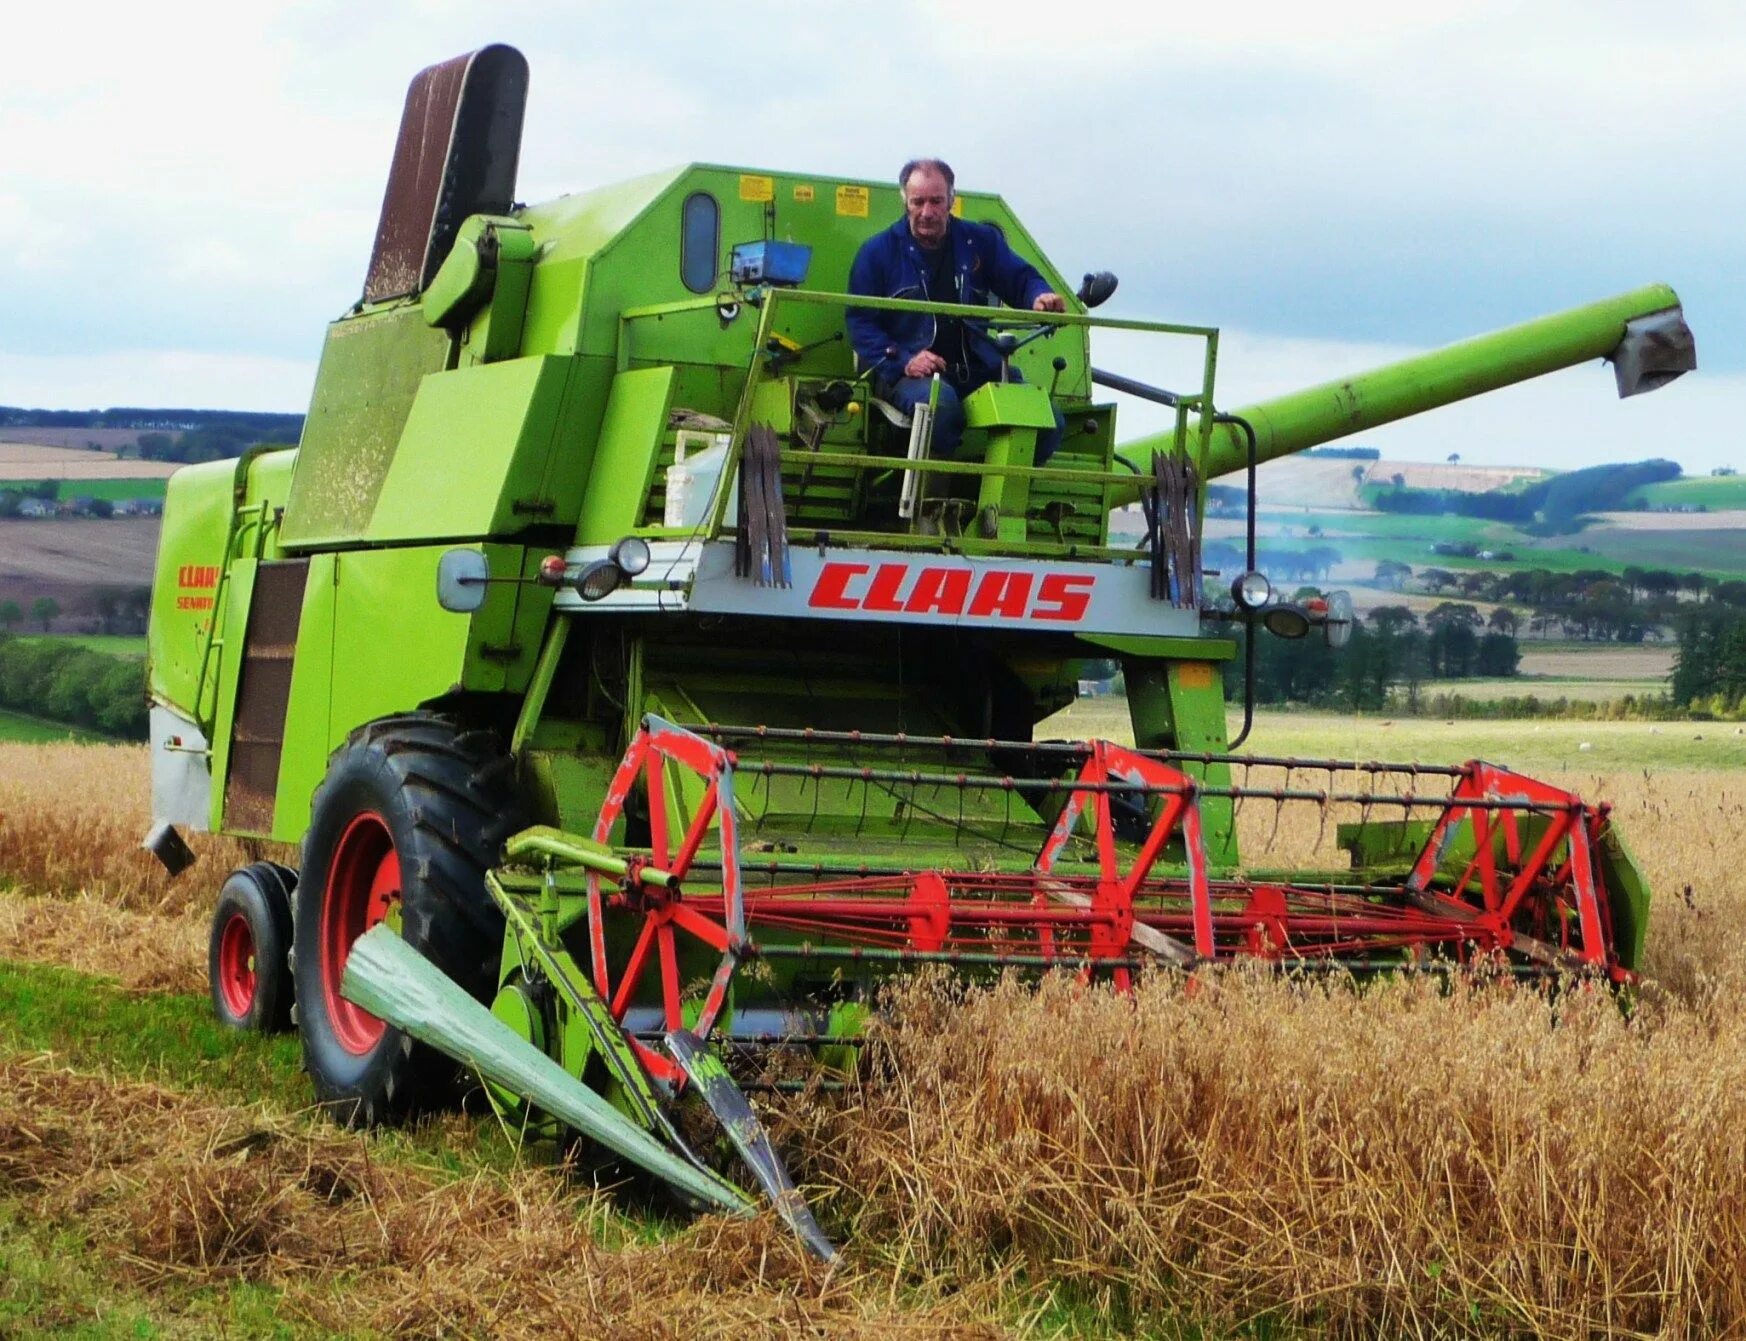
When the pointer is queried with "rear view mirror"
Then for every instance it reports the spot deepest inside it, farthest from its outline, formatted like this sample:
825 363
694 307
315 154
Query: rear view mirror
1095 289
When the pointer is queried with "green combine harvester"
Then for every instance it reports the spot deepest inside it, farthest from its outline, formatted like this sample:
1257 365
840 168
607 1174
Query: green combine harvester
643 693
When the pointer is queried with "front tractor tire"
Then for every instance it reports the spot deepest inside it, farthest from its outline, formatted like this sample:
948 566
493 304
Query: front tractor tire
412 813
247 957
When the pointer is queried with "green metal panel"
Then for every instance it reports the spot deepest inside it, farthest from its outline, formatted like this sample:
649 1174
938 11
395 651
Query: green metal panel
307 742
1628 890
1012 404
475 454
569 786
628 236
198 507
1180 705
1188 649
506 658
431 653
624 458
224 670
370 371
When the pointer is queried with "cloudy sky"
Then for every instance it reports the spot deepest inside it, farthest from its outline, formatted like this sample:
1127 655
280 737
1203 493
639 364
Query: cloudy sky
188 191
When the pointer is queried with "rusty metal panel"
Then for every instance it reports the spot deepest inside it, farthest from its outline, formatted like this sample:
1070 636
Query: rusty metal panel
460 137
262 693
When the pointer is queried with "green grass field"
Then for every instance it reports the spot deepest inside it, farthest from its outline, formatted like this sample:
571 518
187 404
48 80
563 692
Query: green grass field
1544 687
1547 747
1716 492
1367 537
115 491
113 644
34 730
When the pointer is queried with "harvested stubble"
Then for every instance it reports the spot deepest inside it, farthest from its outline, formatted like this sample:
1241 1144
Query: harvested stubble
192 1192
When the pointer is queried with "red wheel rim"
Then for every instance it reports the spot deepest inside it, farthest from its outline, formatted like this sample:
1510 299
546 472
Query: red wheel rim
716 920
236 966
363 888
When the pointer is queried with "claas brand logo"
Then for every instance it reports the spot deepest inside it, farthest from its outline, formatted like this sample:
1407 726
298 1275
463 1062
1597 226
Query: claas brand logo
896 588
195 577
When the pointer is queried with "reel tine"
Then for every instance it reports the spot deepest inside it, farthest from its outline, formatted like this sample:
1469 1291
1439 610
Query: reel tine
764 811
1279 808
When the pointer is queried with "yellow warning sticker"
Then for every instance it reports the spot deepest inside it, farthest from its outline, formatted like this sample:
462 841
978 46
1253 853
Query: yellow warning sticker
1194 674
803 194
757 188
957 207
852 201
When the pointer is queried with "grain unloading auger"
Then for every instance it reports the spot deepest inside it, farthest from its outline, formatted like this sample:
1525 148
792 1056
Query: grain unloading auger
643 696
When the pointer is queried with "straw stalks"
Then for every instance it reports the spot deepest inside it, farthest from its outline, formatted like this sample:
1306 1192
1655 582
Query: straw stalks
1411 1158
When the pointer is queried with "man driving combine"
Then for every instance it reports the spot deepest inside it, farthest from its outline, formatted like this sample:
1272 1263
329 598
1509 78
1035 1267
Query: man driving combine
928 255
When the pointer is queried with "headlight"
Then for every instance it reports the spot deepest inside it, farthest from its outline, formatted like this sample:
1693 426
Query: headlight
1252 590
631 555
1285 621
599 580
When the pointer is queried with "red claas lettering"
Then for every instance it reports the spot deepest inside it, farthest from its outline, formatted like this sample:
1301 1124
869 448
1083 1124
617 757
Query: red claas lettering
896 588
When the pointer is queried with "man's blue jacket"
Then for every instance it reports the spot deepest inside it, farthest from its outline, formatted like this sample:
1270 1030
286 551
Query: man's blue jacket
890 265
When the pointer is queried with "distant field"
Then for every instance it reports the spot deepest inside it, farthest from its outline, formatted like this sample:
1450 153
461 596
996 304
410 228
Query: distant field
1710 491
115 644
1440 475
1546 747
1544 687
33 730
120 551
115 490
1324 482
109 439
1597 661
1719 551
1715 519
1365 537
39 461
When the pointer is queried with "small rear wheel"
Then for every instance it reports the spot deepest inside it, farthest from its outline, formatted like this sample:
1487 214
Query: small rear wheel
247 961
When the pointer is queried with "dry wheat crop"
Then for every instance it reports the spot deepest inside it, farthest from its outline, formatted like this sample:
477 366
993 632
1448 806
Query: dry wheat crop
85 894
1405 1159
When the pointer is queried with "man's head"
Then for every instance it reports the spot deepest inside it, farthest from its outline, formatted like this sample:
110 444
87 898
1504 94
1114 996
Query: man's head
927 199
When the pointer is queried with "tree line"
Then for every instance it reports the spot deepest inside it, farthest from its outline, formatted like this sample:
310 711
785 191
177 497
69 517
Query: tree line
1590 604
1709 673
1391 654
279 427
1551 506
59 680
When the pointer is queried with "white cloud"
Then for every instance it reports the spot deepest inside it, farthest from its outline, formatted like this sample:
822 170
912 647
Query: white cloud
154 377
204 177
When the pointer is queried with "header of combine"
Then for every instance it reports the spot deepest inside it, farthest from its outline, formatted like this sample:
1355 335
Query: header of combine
600 566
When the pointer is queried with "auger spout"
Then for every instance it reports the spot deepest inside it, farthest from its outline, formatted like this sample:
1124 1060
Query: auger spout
1643 333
